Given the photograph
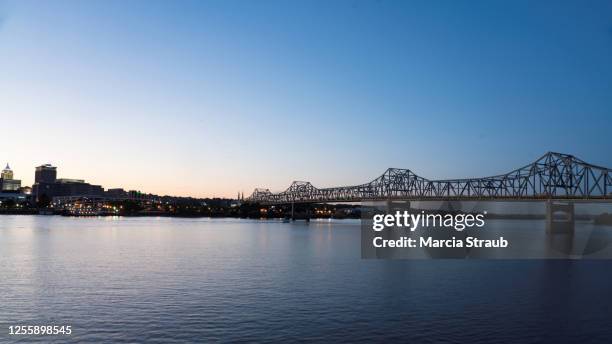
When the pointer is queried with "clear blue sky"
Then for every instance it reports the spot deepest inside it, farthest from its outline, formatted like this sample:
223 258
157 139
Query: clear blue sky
207 98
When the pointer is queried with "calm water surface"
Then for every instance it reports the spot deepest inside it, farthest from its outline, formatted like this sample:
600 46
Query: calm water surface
169 280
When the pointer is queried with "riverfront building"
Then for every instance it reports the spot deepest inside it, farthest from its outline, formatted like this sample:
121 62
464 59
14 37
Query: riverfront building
7 183
10 188
47 185
45 174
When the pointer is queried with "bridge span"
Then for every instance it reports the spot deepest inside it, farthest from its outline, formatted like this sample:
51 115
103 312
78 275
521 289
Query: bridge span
554 176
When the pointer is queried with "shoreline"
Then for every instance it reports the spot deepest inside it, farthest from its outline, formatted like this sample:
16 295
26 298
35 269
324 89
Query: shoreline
37 213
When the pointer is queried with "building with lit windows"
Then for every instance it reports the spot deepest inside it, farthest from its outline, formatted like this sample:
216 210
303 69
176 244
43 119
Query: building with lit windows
7 182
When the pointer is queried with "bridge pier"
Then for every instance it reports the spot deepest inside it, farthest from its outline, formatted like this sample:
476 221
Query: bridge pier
560 217
292 212
393 206
300 214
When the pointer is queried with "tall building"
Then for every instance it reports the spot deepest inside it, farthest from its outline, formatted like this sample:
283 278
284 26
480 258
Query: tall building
7 173
47 185
7 183
45 174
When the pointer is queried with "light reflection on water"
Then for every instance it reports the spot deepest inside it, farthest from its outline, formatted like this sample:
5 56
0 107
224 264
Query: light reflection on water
174 280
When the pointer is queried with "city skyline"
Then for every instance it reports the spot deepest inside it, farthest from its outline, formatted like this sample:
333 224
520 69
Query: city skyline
207 99
40 176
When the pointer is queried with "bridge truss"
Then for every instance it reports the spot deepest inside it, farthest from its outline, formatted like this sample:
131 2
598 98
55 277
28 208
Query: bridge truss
553 176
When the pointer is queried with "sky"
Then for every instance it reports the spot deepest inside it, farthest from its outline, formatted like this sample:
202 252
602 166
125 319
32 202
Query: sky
208 98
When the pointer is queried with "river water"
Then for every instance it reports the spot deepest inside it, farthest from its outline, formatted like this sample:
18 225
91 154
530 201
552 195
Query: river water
170 280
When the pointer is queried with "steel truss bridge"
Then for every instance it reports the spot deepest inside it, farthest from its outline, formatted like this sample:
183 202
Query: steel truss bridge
554 176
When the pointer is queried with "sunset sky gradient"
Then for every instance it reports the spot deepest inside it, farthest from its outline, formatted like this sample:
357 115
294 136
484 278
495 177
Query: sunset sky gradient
208 98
